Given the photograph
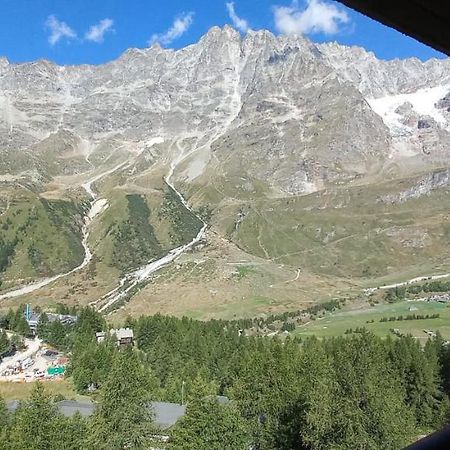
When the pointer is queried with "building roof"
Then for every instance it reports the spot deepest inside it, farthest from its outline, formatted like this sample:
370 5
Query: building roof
425 20
69 407
33 318
64 318
122 333
165 414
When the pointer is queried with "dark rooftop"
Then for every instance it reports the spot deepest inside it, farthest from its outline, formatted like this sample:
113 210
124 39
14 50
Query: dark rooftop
166 414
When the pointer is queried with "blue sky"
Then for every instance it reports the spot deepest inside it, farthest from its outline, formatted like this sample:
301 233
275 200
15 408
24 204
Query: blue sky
95 31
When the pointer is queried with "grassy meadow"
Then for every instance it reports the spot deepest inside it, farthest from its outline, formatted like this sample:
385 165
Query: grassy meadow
350 234
21 391
336 323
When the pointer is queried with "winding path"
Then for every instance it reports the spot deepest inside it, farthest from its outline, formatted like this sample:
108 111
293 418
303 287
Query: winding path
415 280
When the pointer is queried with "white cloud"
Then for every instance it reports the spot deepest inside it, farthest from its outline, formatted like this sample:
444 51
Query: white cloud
58 30
318 16
238 22
96 33
180 25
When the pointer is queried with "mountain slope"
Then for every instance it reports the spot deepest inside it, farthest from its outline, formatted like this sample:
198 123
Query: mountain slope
275 140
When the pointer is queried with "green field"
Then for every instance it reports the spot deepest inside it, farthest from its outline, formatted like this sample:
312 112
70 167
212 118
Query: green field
336 323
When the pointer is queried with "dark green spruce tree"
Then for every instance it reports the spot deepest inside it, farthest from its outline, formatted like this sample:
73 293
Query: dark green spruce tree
4 426
419 373
123 418
33 425
5 344
209 425
369 411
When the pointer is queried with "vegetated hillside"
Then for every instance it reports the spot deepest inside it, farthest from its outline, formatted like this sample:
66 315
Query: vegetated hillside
184 224
138 228
38 237
134 239
365 232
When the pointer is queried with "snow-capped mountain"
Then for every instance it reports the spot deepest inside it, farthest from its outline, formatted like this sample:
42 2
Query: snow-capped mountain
278 110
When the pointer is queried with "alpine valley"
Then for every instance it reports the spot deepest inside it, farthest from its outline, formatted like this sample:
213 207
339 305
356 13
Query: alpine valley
236 176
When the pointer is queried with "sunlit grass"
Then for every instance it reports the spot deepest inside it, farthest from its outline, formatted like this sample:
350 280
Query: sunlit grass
20 391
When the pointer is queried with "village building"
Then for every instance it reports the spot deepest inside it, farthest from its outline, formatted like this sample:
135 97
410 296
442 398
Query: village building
124 336
33 318
100 336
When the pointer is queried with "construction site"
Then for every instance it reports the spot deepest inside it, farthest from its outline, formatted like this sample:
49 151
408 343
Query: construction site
33 360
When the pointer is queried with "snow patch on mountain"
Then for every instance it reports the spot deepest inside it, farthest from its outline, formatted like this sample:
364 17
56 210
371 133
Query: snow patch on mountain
423 102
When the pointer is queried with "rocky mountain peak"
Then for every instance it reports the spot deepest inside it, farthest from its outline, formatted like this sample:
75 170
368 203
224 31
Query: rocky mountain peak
377 78
219 34
296 111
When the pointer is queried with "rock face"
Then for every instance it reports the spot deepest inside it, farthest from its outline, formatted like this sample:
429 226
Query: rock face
410 96
378 78
423 187
280 112
444 103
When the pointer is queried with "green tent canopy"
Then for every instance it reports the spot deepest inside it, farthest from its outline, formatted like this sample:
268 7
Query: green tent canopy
59 370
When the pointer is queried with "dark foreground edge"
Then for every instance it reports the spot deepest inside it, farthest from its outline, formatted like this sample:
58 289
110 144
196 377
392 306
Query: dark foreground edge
426 20
439 440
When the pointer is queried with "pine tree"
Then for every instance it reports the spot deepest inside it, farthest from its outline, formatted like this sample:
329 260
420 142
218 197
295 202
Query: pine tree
56 334
4 426
314 425
3 414
22 327
89 322
419 372
208 425
91 362
266 385
18 316
34 423
443 413
369 411
42 327
123 418
71 433
9 319
5 345
17 342
442 351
